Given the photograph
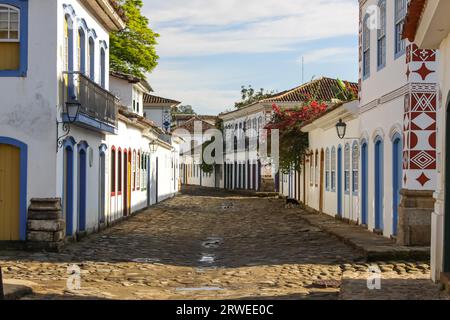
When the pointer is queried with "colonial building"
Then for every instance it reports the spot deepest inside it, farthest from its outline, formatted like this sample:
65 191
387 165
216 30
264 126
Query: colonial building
181 118
55 113
427 25
159 110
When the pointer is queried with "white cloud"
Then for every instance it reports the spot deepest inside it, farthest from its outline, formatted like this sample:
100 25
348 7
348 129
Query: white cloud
330 55
202 27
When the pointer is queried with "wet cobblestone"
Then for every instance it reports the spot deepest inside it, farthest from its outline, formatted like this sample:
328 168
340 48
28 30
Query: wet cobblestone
208 244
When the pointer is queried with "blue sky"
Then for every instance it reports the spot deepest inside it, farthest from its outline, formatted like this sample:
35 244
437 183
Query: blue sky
209 48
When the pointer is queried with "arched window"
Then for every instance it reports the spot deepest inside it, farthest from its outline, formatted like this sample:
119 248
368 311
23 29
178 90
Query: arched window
81 51
113 171
133 170
119 172
9 37
333 169
311 169
400 13
347 168
355 168
91 52
317 168
327 169
366 47
103 68
381 41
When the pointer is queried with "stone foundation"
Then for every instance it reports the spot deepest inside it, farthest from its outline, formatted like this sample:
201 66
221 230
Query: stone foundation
267 185
414 218
46 229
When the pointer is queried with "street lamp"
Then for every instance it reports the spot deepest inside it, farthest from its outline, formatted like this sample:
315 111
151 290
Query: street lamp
153 146
71 110
341 128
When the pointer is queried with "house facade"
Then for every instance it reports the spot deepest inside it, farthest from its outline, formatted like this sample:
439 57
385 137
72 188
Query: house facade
49 151
427 25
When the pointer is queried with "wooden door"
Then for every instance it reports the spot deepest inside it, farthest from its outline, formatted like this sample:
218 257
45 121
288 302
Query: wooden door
129 183
9 193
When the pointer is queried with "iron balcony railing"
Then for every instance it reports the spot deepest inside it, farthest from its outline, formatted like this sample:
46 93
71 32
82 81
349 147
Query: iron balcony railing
95 101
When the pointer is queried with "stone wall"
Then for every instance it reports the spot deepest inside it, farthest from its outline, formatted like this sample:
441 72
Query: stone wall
414 220
45 225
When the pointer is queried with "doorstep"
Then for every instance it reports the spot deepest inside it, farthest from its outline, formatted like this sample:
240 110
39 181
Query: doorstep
373 247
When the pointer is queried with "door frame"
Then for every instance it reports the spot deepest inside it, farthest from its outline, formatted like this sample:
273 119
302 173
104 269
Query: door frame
364 183
322 179
68 184
397 162
339 181
446 247
125 183
82 184
23 167
379 183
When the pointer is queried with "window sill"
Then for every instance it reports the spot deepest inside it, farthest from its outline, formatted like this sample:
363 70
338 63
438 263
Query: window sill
13 74
399 54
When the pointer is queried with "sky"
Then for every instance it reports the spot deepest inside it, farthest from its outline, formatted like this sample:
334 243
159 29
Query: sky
209 48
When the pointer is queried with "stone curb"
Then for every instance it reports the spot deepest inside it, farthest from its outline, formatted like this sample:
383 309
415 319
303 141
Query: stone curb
15 292
371 246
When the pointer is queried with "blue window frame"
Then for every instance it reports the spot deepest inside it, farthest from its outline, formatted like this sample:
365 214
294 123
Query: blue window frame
16 31
333 169
366 48
355 169
347 169
327 169
400 13
381 41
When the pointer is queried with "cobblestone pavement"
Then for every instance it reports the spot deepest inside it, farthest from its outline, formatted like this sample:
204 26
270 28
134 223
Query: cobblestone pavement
207 244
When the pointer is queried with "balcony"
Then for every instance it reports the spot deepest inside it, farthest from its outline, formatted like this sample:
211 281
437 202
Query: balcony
99 107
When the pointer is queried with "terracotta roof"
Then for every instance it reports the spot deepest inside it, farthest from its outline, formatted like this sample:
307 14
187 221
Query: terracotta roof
131 116
412 19
323 89
118 8
151 99
189 125
131 79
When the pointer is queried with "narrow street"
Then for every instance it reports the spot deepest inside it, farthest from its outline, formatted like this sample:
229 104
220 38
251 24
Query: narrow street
209 244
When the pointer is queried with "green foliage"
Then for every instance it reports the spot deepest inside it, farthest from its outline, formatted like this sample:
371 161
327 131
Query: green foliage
133 49
249 96
343 92
185 109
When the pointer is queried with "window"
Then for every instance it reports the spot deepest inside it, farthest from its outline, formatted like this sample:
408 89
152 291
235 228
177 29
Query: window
366 47
113 170
317 168
138 170
133 170
400 13
347 168
91 52
10 40
333 169
355 168
81 51
119 172
311 170
102 68
381 42
327 169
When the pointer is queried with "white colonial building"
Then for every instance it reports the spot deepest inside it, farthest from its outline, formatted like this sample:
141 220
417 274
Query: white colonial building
428 25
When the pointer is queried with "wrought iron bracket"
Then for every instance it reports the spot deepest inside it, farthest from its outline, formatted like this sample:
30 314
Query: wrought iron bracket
60 139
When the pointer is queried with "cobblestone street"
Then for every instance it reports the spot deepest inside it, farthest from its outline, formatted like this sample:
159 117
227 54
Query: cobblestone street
208 244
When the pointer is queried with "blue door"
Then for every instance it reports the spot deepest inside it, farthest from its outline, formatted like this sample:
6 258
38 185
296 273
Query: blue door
396 179
339 182
378 184
82 191
364 184
68 189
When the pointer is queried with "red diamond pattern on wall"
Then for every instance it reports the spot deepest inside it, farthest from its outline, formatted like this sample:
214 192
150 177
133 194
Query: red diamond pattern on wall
423 55
423 121
423 160
423 179
423 71
424 101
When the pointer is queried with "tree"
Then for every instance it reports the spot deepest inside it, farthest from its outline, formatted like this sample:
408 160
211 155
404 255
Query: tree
186 109
249 96
133 49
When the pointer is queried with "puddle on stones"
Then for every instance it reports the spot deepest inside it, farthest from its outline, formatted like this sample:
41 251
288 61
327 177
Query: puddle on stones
146 260
212 243
207 258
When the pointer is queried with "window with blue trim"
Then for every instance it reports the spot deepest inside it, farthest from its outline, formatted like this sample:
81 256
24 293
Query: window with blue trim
381 42
333 169
317 174
366 47
355 168
400 13
347 168
327 169
13 38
